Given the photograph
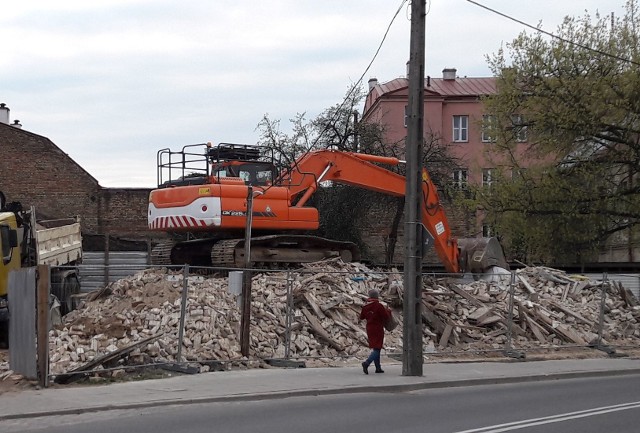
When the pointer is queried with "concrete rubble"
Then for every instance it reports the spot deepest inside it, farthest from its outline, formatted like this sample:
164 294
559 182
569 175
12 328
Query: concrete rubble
140 316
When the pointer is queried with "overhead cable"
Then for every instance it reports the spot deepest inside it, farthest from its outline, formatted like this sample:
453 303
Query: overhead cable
537 29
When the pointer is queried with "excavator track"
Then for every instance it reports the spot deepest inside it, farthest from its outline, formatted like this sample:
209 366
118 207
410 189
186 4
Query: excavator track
270 251
276 250
161 253
223 253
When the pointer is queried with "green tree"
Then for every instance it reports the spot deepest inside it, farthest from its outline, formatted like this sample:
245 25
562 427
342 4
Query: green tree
574 183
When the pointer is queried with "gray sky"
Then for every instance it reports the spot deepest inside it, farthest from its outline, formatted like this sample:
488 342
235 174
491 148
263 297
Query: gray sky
113 81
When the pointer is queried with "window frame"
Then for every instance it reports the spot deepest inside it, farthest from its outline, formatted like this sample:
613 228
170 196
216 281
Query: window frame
406 116
488 120
487 177
460 130
460 179
520 129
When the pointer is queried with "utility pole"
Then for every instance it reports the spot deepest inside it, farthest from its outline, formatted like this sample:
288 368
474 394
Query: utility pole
412 325
245 320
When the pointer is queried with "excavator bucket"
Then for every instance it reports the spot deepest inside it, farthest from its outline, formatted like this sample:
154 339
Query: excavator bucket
478 255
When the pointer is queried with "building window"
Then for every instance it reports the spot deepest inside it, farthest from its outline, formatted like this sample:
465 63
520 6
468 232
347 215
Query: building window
459 179
518 173
519 128
406 116
460 128
487 177
488 123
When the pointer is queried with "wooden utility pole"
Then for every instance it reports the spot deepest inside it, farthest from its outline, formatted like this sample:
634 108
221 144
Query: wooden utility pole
42 323
412 325
245 321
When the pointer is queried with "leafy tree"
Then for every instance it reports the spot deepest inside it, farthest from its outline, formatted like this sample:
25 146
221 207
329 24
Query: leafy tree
574 183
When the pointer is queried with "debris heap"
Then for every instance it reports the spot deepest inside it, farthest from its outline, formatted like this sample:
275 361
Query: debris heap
140 316
548 308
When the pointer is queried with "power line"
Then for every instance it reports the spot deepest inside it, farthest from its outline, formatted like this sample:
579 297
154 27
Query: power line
537 29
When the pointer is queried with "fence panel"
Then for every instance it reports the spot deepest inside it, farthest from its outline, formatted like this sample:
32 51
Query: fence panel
630 281
22 322
94 271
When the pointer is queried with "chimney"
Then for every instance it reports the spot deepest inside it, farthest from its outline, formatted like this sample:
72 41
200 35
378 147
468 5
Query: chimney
16 124
373 82
4 114
449 74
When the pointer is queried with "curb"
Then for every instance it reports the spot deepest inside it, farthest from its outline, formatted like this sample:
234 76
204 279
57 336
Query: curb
329 391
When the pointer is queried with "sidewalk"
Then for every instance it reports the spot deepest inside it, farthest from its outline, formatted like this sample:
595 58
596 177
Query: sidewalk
257 384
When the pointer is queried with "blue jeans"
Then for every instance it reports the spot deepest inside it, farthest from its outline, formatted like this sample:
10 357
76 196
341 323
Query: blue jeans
375 358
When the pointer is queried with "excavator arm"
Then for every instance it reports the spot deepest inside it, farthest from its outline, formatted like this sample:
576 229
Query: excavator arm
359 170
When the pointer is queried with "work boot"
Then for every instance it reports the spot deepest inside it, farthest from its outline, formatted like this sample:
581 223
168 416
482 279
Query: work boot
365 368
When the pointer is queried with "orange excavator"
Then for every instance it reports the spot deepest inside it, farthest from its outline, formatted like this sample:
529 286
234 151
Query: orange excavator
202 200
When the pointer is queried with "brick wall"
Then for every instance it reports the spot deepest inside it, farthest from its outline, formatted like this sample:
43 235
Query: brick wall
376 229
124 211
35 172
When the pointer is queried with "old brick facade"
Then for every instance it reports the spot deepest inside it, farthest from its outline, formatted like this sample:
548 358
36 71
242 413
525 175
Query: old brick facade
34 171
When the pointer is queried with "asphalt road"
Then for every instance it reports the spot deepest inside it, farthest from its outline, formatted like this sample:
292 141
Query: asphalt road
567 406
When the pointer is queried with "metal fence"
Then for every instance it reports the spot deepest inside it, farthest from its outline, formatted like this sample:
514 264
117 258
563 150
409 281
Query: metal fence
189 316
99 268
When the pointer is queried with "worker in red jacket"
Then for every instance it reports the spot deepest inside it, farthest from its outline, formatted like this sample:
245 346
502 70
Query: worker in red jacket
376 315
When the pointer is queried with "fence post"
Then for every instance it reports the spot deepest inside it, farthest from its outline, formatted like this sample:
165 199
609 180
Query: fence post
603 300
509 324
288 318
107 253
509 349
42 303
183 309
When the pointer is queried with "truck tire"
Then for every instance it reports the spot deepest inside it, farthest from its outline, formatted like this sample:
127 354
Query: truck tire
64 289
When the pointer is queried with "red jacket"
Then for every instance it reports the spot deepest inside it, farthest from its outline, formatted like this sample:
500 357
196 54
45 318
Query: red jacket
376 315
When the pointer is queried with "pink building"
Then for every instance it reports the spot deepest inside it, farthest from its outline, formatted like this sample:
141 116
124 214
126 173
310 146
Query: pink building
453 114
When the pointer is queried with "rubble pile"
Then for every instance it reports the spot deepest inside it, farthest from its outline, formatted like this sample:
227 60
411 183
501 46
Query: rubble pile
140 316
324 322
549 308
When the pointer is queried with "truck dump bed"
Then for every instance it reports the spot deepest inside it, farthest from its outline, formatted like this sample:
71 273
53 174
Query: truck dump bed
58 242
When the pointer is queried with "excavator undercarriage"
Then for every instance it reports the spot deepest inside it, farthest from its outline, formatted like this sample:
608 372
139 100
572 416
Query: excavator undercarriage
270 251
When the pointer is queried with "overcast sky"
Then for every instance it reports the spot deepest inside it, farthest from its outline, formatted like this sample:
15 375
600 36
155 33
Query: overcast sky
111 82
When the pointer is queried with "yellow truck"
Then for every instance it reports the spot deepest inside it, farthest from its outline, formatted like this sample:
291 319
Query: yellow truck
26 242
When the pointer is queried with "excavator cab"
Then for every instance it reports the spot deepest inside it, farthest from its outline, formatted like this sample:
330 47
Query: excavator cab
254 173
253 164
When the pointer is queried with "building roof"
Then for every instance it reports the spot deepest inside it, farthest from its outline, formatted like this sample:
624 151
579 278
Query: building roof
447 88
23 136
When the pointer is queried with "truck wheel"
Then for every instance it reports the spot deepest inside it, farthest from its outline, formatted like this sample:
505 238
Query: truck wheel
67 288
